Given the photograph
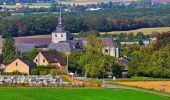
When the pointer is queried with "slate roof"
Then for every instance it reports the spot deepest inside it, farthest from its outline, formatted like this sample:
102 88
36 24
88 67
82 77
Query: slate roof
30 63
53 56
107 41
125 61
62 46
37 41
67 46
24 47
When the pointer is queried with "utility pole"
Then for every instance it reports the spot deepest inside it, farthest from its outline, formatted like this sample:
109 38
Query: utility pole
67 62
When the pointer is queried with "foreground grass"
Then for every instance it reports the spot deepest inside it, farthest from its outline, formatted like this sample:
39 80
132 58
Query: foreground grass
75 94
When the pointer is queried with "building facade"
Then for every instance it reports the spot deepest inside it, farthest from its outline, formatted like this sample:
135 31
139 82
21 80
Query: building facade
51 59
21 65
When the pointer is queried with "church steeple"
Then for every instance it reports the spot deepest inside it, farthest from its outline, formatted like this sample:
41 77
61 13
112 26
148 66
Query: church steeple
60 34
60 26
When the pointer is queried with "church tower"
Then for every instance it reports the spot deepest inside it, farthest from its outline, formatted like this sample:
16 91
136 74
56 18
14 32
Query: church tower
60 34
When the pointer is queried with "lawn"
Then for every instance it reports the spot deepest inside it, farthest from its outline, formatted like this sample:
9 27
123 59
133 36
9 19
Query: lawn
75 94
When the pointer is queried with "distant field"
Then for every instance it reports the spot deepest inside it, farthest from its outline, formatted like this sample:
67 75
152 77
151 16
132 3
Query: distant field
156 85
86 2
71 2
21 14
75 94
34 5
144 30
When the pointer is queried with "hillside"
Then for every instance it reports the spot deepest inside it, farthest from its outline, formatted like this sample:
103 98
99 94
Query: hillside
144 30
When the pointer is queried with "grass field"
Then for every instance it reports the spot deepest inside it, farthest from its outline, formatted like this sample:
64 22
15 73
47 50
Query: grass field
141 82
75 94
156 85
144 30
132 79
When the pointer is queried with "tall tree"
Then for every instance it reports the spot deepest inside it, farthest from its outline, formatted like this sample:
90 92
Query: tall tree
9 52
93 60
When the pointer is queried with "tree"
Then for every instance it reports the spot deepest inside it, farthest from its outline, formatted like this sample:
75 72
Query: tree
117 70
74 64
162 40
160 60
32 54
93 60
9 52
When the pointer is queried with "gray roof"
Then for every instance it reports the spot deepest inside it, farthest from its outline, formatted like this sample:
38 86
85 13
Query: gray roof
66 46
53 56
108 42
38 41
24 47
30 63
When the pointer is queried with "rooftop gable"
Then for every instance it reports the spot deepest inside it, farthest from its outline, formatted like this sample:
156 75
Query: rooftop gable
53 56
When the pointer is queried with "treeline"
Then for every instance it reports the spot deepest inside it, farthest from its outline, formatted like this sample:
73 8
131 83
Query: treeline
102 20
152 60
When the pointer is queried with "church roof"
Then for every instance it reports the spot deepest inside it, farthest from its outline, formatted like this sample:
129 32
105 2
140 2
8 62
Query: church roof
24 47
67 46
108 42
38 41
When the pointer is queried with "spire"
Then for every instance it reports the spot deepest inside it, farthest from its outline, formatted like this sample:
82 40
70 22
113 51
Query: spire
60 27
60 17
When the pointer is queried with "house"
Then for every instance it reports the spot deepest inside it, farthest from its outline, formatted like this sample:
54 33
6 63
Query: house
128 43
2 67
21 65
111 48
125 62
52 59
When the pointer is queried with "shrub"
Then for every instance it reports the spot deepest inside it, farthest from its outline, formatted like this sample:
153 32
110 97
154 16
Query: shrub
43 72
53 72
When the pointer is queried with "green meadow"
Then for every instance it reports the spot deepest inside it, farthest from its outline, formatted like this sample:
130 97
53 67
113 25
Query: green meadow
75 94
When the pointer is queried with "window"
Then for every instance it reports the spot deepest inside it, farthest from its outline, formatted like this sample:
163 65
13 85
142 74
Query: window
43 60
106 51
55 35
16 64
61 35
36 60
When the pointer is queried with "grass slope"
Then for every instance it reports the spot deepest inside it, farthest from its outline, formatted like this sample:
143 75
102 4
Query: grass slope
144 30
74 94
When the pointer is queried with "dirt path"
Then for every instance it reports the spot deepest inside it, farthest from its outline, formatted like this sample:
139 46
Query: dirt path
87 83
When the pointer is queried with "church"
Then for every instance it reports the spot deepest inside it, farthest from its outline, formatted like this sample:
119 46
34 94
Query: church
61 41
